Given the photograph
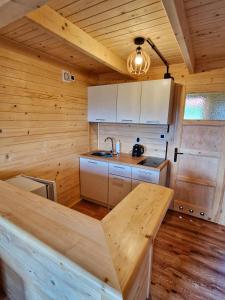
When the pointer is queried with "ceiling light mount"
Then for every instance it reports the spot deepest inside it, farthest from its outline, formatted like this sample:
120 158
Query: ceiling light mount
139 41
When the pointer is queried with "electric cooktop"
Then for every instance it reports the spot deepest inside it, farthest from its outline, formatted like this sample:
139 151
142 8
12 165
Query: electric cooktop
151 161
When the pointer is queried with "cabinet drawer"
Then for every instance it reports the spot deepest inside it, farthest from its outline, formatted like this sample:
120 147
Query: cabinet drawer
120 170
145 175
94 166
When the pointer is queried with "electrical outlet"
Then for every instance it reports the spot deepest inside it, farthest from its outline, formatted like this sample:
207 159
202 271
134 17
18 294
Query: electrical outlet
67 76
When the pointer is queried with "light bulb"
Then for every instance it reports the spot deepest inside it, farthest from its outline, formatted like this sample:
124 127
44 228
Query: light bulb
138 59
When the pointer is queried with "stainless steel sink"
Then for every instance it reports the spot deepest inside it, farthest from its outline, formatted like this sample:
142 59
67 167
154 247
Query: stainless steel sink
102 153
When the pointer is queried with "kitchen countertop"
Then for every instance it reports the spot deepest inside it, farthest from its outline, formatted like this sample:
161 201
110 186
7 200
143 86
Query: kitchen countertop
126 159
110 249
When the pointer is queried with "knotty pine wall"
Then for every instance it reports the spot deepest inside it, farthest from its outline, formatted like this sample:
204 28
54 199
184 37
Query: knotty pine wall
43 121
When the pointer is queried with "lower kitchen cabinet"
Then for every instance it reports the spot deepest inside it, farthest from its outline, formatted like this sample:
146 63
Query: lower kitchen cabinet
94 180
135 183
119 187
107 183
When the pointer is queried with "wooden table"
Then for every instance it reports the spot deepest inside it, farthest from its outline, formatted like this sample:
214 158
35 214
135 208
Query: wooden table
49 251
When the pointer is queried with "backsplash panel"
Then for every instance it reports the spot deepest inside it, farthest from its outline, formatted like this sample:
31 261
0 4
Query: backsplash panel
150 137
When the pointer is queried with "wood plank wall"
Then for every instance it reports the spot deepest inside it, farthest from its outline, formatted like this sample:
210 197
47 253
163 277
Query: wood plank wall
128 133
199 135
43 121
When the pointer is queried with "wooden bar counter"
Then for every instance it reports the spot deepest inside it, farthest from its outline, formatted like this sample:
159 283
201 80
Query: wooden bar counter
49 251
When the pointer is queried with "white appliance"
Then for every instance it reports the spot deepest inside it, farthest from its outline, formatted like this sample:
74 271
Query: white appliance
41 187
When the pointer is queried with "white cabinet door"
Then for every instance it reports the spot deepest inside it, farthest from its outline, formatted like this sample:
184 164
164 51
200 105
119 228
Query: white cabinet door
128 102
119 187
94 180
102 103
156 101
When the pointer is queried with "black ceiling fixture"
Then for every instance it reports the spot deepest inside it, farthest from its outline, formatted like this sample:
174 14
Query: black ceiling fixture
140 41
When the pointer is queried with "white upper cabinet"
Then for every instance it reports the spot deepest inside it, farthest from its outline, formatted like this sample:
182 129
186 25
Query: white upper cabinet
156 101
128 102
146 102
102 103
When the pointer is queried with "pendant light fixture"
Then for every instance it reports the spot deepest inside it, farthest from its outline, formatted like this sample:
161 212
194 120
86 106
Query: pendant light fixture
138 62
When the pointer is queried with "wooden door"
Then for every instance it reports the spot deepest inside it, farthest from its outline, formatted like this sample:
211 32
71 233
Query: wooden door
198 174
128 102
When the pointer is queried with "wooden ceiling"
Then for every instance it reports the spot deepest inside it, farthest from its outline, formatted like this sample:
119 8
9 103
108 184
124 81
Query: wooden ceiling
206 19
197 36
114 23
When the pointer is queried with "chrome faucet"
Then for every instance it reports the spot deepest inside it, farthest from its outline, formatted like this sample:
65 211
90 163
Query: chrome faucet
111 139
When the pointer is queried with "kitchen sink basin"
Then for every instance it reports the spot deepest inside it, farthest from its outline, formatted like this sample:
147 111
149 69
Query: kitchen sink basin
102 153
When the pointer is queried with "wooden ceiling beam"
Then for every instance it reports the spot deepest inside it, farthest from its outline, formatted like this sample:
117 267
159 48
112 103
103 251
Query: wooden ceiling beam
52 21
11 10
176 13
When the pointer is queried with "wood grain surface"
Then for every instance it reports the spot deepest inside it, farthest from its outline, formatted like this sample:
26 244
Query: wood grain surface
131 227
188 260
43 121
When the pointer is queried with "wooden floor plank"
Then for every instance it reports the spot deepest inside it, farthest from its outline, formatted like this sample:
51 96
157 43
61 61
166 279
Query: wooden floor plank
189 257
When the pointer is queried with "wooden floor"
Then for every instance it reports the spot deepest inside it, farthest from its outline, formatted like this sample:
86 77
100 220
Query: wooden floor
189 257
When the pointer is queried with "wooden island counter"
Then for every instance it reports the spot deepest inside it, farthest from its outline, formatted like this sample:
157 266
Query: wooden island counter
49 251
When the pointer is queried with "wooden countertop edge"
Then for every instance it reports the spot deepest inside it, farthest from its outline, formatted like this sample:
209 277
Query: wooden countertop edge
149 237
121 162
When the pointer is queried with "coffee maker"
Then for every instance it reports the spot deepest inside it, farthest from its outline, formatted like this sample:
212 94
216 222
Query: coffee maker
137 150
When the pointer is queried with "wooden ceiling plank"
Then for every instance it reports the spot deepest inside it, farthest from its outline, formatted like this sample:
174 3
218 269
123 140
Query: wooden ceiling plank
20 31
14 26
59 4
42 38
206 9
77 38
206 64
176 13
111 6
11 10
191 4
138 29
117 36
76 7
117 14
126 22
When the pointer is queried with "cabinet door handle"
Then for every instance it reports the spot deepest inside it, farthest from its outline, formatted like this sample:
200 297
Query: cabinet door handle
118 167
127 120
100 119
92 162
152 122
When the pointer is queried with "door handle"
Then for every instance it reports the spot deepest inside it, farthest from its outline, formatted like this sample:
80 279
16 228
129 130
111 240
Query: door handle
176 153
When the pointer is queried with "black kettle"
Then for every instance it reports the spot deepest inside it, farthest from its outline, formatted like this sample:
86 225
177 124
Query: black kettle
138 150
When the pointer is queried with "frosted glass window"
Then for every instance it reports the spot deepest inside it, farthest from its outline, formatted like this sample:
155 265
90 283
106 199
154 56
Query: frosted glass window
205 106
